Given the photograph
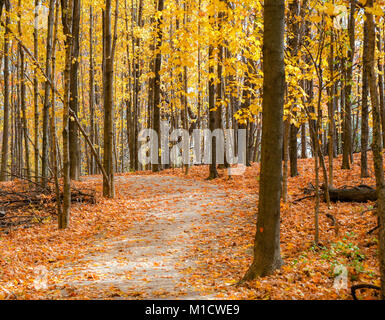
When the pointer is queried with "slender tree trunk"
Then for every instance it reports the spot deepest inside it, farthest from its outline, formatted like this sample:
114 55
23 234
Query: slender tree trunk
24 120
286 138
156 90
4 150
66 6
331 110
293 46
36 91
303 142
108 185
47 89
364 106
54 150
74 94
381 88
92 91
347 143
213 173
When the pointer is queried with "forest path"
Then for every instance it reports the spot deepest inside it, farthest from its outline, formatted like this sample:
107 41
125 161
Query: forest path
151 259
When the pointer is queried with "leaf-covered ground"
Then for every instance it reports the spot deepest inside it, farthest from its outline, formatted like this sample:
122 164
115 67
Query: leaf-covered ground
214 247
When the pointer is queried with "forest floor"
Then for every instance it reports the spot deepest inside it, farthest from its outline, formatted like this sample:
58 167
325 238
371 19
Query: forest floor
169 235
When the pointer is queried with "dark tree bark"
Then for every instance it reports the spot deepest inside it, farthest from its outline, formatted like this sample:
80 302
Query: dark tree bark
137 17
74 94
303 141
2 2
156 90
220 82
377 144
66 7
244 107
4 151
267 256
213 117
293 44
331 108
36 92
108 184
54 149
347 142
381 88
22 97
357 194
47 90
364 106
92 91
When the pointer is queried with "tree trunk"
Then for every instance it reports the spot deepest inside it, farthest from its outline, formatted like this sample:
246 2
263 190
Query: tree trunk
331 94
286 139
66 6
156 90
54 149
4 151
74 94
364 107
347 142
24 120
267 257
381 88
36 91
213 173
108 185
92 91
293 44
47 90
377 143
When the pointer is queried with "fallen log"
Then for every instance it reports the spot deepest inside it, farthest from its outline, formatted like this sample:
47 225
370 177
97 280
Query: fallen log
356 287
20 207
361 193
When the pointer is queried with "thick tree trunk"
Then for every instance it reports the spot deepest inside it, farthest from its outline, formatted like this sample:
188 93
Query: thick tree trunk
267 257
377 144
